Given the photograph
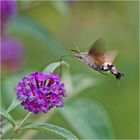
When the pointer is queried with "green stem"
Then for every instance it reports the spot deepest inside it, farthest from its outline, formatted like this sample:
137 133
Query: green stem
11 104
17 128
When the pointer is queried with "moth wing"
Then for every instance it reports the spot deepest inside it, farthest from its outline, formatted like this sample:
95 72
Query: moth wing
97 51
110 56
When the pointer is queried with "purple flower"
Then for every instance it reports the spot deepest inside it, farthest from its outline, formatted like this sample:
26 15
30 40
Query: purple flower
53 78
41 92
11 49
56 101
11 53
55 88
44 107
8 10
44 89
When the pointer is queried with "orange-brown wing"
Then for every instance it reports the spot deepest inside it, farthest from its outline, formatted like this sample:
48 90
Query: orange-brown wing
110 56
97 51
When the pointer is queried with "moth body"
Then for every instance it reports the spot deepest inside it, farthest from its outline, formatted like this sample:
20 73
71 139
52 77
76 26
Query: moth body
86 59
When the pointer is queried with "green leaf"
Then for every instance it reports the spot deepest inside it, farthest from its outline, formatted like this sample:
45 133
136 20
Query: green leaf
88 119
24 5
67 80
8 117
6 129
14 104
62 7
53 128
53 66
9 93
8 87
85 82
30 27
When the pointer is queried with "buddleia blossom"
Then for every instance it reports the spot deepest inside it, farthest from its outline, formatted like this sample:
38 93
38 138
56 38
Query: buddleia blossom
11 48
11 54
8 9
41 92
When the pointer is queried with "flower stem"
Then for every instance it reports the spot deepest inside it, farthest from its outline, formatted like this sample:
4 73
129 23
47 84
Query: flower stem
17 128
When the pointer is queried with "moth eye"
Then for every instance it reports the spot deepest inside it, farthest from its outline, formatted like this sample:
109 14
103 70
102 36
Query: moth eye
102 67
80 57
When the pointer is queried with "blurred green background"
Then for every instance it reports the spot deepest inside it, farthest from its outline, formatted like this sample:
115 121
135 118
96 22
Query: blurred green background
82 23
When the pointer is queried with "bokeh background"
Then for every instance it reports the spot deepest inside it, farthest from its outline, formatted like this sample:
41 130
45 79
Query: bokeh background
48 29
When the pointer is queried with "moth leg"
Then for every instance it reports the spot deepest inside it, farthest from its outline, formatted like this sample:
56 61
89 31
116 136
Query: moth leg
101 72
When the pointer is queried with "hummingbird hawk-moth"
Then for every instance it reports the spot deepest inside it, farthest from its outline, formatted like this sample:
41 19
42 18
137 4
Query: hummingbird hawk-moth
98 59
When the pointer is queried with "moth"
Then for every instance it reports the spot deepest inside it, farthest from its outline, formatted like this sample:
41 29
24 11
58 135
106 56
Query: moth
98 59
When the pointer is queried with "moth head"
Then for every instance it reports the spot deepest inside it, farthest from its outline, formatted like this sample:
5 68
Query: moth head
79 56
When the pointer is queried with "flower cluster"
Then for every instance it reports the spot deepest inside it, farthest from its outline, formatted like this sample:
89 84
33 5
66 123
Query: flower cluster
11 48
11 54
8 10
41 92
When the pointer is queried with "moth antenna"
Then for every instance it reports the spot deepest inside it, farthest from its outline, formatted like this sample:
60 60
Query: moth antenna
74 51
61 58
76 47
